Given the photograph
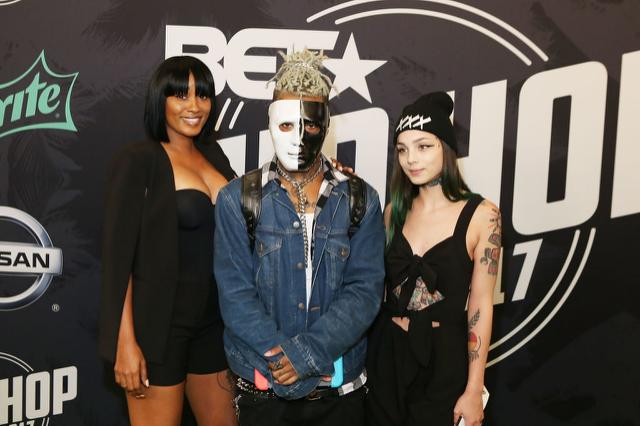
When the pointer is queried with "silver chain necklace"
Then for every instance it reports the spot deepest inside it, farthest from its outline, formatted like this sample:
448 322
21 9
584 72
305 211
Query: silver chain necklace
302 202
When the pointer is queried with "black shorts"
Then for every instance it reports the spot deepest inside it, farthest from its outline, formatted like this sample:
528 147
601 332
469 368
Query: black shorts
193 350
345 410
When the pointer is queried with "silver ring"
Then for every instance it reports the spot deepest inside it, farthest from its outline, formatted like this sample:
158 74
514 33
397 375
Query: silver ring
277 365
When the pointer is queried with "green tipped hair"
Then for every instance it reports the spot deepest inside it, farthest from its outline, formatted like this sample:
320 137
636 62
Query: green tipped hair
300 74
399 209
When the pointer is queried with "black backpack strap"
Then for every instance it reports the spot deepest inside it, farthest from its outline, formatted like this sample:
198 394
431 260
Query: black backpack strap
357 202
251 200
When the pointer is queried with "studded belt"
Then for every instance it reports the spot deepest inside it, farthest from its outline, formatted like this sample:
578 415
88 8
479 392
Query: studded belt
246 386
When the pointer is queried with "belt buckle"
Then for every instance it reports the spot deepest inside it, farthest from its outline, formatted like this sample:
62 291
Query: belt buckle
314 395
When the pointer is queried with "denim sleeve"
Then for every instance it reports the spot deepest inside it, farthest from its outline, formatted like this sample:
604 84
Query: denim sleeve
242 311
356 305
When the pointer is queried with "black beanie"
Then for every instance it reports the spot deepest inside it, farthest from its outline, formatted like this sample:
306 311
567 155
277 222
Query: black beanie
429 113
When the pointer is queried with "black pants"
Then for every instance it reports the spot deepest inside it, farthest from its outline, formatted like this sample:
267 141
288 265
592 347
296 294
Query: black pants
347 410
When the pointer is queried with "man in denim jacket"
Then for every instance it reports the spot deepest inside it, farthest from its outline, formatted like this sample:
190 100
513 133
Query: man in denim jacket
307 291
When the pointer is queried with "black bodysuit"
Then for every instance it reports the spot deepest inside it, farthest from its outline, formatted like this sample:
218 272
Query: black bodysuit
195 338
416 377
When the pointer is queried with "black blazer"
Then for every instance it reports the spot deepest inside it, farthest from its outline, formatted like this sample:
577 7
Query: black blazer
141 238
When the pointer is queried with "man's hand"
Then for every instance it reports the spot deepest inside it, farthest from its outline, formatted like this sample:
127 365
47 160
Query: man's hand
282 370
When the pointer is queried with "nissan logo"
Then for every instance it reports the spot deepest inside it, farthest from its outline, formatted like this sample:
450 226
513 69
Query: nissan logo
37 258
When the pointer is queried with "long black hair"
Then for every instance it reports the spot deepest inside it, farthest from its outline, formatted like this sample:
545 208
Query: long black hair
172 78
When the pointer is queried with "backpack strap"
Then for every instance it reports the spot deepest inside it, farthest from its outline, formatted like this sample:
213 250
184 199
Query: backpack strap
357 203
251 201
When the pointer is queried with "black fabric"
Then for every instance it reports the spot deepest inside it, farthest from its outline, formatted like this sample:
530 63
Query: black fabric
429 113
416 377
140 237
196 227
346 410
196 299
357 202
252 202
195 350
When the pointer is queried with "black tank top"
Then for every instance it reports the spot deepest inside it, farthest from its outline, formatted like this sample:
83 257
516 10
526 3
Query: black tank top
445 267
196 290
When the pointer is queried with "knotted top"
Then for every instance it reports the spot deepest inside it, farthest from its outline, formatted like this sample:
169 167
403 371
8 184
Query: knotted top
406 275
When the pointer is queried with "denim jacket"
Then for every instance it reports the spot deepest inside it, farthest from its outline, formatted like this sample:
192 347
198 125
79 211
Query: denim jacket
263 295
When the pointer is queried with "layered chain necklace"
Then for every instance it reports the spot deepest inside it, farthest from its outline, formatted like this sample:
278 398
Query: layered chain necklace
302 201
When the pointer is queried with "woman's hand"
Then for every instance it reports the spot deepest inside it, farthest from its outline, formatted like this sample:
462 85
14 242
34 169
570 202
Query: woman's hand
469 406
131 368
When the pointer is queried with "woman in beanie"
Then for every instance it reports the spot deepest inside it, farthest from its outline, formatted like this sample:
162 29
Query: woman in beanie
428 347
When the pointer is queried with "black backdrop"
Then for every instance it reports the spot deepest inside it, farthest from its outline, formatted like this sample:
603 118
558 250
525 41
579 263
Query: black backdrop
548 106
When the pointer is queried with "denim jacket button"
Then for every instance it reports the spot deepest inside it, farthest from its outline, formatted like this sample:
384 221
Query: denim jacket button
343 252
301 306
296 225
300 265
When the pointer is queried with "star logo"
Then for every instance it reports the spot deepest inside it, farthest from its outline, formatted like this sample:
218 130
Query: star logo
350 71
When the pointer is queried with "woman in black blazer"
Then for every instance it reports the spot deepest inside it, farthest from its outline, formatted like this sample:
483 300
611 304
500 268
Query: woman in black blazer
160 322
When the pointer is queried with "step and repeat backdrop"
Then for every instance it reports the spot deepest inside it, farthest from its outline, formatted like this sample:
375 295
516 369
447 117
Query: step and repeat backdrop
548 111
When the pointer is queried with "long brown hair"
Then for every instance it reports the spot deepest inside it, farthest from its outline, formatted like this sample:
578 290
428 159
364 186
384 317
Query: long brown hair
403 191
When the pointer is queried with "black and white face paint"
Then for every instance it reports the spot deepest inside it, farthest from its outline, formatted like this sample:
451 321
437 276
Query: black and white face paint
298 129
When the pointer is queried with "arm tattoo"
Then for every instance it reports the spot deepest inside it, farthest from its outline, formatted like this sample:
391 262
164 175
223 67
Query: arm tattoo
475 342
474 319
496 224
491 254
491 257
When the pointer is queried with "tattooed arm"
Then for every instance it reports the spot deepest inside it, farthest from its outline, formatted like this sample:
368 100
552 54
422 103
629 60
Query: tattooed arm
486 232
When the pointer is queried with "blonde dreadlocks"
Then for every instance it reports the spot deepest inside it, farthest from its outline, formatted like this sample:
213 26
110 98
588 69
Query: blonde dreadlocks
300 74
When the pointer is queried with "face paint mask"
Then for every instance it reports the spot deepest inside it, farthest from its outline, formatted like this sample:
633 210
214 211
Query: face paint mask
298 129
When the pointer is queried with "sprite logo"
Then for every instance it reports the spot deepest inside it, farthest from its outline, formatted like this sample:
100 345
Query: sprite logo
38 99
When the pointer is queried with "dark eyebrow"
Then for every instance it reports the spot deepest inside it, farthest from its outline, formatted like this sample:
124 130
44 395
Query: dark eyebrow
422 138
